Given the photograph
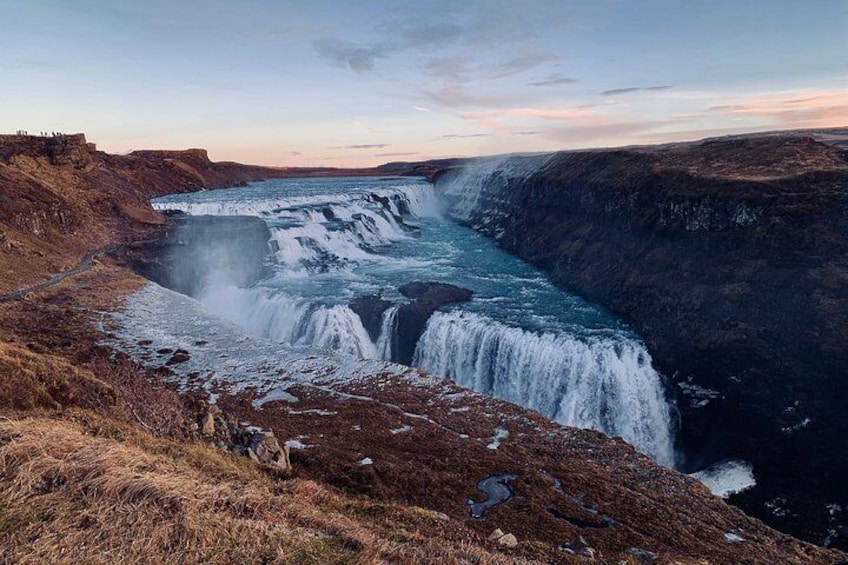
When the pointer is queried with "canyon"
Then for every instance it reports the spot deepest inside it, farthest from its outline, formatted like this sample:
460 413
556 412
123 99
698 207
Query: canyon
727 256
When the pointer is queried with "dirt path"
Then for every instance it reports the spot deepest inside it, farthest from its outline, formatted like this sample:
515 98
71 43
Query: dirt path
84 265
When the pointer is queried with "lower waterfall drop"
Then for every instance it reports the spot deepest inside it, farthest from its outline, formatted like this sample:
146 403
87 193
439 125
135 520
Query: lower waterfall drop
388 334
606 384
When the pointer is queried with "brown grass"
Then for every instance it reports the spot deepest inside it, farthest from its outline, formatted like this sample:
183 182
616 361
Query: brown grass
31 380
89 490
116 387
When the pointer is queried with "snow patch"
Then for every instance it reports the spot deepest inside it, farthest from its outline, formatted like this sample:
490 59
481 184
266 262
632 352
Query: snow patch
500 433
799 426
280 394
401 430
366 461
296 443
316 411
730 537
724 478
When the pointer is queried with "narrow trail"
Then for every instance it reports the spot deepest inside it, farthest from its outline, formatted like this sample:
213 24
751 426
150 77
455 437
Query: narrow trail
84 265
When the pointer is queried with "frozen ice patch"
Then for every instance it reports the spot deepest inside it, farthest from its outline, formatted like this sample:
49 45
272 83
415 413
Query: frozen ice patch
280 394
500 433
727 477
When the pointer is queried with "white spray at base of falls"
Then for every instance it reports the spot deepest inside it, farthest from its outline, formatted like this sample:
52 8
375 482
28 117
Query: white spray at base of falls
599 383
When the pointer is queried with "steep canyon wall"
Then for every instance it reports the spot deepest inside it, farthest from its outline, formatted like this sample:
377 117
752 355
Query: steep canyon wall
730 257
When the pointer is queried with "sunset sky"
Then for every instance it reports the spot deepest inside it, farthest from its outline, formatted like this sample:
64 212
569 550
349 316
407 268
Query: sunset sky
342 83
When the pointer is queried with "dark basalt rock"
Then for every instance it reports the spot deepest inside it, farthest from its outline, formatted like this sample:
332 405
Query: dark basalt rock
427 297
440 293
370 310
730 258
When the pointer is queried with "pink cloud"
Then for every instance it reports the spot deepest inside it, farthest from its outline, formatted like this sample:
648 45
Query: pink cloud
826 108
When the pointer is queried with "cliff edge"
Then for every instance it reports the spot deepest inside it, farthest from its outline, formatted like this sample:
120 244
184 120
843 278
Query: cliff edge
730 257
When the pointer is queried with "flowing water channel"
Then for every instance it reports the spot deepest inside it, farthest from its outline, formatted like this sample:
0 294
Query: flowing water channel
519 338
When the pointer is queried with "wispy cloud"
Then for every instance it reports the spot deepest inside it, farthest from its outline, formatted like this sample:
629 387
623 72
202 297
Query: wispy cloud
368 146
464 135
526 133
453 96
419 33
519 64
547 113
631 89
554 80
825 108
455 68
349 55
608 133
421 109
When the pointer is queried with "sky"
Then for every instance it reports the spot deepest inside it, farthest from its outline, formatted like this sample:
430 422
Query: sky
359 83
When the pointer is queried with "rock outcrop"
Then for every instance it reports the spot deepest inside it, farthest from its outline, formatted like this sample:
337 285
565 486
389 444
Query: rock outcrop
370 310
426 298
60 198
730 257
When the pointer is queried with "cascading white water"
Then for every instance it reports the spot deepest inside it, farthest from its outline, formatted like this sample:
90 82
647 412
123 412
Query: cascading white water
295 322
605 384
388 333
463 188
331 247
417 200
314 234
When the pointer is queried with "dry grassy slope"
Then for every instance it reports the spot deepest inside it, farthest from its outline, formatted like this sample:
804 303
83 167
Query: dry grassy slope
100 463
85 489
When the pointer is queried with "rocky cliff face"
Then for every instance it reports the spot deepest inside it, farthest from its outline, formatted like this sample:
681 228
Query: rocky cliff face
730 257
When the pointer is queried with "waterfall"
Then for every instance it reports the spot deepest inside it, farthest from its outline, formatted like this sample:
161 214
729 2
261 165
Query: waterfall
388 334
329 247
606 384
463 189
319 233
281 318
411 199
